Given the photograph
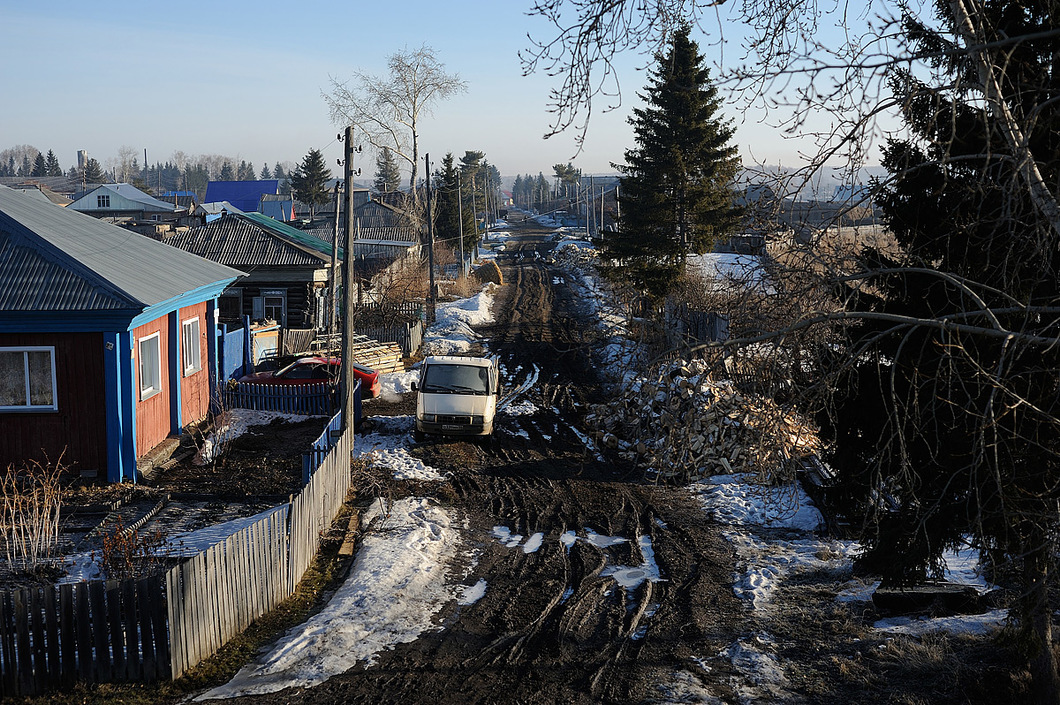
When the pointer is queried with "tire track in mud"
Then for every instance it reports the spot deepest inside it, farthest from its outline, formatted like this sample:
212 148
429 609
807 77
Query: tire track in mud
555 624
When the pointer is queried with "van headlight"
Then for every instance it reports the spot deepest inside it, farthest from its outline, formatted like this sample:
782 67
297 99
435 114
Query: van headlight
430 418
477 420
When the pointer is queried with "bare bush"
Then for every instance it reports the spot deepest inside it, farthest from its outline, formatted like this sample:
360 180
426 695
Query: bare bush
30 500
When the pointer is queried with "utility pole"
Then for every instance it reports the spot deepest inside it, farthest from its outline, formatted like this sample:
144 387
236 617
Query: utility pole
474 211
431 297
460 217
333 309
347 382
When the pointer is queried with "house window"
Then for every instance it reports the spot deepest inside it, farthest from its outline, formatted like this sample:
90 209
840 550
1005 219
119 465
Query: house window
230 305
103 200
27 379
190 346
150 356
275 308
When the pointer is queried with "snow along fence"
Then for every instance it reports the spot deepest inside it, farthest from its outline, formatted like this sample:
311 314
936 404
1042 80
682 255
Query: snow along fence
157 628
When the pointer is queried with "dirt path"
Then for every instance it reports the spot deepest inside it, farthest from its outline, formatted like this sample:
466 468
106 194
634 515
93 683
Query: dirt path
555 626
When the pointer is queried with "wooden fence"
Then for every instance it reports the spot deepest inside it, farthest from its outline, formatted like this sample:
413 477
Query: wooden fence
408 335
311 398
159 627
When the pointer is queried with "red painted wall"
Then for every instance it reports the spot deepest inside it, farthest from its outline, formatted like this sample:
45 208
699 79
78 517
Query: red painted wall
79 426
195 388
152 414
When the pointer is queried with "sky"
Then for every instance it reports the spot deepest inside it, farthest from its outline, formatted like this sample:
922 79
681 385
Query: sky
245 81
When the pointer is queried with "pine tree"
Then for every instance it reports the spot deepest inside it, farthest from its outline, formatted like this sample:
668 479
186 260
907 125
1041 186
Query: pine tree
265 173
448 191
226 172
40 166
52 165
93 172
309 181
387 173
977 415
278 172
677 182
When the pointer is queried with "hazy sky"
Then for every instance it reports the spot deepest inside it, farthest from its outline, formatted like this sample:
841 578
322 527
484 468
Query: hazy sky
245 80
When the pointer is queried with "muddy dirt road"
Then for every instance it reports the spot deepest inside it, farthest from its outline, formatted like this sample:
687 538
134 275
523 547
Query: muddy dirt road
631 582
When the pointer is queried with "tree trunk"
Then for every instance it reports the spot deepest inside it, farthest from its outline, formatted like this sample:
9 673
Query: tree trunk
1037 625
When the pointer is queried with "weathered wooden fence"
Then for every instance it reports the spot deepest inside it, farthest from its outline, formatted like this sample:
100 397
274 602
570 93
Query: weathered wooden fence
311 398
102 631
159 627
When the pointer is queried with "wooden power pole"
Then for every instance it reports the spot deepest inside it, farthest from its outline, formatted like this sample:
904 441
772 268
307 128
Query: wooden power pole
348 381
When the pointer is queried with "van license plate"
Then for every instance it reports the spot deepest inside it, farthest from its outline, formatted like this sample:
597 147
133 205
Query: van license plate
451 427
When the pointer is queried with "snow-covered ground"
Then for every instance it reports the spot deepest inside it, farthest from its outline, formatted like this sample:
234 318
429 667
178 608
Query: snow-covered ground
452 333
402 577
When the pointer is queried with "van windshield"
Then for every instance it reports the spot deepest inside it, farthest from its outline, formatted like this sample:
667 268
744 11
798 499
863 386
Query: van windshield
456 379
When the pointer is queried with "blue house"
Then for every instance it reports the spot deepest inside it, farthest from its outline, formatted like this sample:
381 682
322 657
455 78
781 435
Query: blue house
107 339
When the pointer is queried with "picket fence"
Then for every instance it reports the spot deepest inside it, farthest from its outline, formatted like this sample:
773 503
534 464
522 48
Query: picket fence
159 627
310 398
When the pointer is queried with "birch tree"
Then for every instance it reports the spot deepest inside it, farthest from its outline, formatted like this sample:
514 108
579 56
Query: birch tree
389 109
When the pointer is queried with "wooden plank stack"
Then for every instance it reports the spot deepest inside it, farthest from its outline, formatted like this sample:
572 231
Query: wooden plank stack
382 357
683 425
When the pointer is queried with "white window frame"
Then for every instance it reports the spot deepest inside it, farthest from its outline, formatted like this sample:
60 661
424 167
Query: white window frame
191 345
149 390
25 350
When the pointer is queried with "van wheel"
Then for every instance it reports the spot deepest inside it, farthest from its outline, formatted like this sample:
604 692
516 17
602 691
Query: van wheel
418 435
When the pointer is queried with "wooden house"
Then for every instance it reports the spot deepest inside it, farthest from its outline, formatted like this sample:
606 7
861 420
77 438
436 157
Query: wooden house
107 339
287 268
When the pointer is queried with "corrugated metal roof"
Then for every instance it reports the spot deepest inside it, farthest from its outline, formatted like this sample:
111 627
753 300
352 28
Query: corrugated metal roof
56 259
300 237
126 191
244 195
239 240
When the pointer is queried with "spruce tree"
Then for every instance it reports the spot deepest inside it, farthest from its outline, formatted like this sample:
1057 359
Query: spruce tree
387 173
52 165
448 208
226 172
309 181
962 427
265 173
93 172
40 166
677 181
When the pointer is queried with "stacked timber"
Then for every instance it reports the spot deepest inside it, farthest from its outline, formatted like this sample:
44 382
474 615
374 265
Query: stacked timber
381 357
682 425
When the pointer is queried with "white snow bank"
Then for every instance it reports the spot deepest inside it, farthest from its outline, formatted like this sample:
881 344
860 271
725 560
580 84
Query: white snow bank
394 384
452 332
387 446
732 499
396 587
979 624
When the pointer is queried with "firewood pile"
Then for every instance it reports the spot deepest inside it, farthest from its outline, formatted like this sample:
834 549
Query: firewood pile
683 425
571 256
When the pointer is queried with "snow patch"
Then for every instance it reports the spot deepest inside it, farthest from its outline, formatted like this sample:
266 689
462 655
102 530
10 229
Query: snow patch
396 587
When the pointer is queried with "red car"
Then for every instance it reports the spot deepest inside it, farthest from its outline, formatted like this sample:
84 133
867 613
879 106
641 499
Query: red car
317 369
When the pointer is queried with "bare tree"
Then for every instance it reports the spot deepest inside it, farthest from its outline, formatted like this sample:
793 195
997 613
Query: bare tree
388 109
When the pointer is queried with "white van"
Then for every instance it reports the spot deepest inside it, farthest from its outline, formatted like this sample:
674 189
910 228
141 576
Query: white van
456 396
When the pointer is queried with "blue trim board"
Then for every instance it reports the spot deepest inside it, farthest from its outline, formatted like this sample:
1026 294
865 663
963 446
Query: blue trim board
175 372
115 409
128 445
188 298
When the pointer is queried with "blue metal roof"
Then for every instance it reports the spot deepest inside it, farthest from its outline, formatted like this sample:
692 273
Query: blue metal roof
244 195
53 259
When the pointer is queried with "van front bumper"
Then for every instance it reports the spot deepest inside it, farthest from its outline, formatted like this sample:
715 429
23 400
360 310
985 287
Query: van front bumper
443 425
